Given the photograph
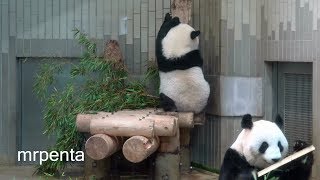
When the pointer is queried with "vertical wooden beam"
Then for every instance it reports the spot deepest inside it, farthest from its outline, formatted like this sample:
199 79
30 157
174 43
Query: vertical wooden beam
316 117
182 9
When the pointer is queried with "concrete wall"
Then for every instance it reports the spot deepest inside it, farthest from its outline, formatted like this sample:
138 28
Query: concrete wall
241 38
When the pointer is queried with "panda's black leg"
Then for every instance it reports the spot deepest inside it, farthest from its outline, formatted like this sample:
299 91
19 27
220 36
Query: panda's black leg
167 103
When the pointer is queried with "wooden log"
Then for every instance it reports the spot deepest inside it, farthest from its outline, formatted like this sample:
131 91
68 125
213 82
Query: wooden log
170 144
100 146
185 119
134 124
199 119
185 149
138 148
167 166
83 120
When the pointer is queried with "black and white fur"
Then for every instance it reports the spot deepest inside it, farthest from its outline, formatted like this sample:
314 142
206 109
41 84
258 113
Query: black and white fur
182 83
259 145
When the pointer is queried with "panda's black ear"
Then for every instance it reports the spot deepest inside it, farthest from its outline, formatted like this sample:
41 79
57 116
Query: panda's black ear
194 34
279 121
246 122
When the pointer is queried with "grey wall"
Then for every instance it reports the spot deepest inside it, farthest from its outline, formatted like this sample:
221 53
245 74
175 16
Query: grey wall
43 28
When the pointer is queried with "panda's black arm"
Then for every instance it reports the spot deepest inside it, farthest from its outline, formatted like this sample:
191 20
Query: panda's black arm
189 60
235 167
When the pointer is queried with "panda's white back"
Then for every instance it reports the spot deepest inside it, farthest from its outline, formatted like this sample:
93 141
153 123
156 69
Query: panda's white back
187 88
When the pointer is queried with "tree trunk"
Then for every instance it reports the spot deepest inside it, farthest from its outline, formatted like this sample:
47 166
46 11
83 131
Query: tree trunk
138 148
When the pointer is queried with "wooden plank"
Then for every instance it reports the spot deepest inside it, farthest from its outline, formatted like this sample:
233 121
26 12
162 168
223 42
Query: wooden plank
1 105
122 18
85 16
115 20
152 24
144 15
55 19
34 19
70 18
159 9
107 17
5 27
20 19
27 19
238 20
129 39
99 18
144 40
63 19
77 15
93 18
152 5
137 56
151 48
13 18
316 117
48 19
136 26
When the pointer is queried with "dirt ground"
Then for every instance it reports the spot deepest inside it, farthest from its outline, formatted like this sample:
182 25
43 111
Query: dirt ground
26 173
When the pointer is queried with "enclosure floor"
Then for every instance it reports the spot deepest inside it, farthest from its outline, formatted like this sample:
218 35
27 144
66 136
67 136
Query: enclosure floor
26 173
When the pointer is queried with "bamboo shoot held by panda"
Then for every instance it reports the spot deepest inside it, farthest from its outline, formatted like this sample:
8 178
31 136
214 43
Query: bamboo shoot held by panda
131 125
138 148
100 146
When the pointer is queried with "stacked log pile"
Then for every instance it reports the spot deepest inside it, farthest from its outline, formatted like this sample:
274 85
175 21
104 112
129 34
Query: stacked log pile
139 133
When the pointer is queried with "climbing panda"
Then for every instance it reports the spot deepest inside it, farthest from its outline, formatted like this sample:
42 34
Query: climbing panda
259 145
182 84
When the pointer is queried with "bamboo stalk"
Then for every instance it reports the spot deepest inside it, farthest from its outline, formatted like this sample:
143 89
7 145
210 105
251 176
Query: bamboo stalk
286 160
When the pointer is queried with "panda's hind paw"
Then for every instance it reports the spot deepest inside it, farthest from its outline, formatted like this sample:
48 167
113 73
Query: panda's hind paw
167 103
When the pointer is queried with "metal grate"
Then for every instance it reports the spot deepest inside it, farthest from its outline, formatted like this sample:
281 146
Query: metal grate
298 107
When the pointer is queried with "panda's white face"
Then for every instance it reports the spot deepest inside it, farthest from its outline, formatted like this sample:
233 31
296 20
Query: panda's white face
178 41
262 145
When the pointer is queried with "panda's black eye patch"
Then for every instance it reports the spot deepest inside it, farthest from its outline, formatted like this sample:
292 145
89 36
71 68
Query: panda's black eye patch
264 146
280 146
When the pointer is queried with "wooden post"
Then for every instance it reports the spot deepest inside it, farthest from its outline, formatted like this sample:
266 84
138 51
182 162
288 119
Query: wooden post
170 144
100 146
138 148
96 169
182 9
167 166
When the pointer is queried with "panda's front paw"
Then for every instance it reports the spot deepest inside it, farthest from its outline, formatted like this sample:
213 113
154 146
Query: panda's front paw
168 17
175 21
299 145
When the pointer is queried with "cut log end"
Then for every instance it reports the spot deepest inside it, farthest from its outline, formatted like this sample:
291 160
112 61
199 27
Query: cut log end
138 148
100 146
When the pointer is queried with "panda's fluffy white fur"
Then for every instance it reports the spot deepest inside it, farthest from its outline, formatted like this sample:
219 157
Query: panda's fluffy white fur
182 83
259 145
